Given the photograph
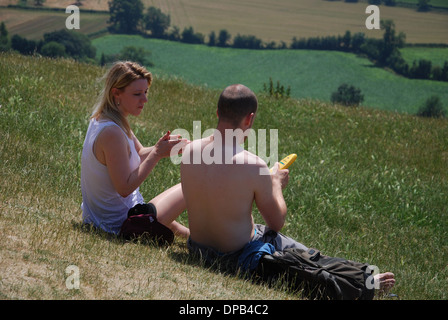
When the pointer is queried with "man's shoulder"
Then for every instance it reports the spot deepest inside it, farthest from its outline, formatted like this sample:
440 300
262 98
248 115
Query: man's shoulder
254 163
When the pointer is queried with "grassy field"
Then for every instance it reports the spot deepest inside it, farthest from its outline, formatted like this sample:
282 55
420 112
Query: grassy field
368 185
311 74
269 20
437 56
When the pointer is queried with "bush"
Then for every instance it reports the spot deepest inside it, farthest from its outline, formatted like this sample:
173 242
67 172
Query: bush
432 108
347 95
53 49
189 36
77 45
247 42
24 46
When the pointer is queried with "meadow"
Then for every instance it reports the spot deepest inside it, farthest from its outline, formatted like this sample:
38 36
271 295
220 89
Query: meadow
437 56
310 74
368 185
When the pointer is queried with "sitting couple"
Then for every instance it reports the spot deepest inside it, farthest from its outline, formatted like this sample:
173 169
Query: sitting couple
218 197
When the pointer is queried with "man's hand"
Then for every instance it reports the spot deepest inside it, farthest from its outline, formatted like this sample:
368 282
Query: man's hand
280 176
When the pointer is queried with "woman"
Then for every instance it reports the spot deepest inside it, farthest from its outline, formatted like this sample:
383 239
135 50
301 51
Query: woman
114 163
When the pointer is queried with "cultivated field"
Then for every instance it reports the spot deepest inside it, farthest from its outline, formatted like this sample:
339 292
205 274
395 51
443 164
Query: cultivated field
281 20
33 24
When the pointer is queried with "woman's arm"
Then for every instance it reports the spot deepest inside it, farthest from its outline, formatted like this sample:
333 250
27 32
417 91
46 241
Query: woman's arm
112 146
142 151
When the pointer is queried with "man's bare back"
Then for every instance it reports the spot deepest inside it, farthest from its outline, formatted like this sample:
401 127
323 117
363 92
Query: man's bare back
220 195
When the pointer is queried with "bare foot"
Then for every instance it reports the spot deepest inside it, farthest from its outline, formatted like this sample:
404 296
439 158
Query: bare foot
385 280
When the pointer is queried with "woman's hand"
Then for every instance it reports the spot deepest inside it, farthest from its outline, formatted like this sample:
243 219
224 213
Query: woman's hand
162 148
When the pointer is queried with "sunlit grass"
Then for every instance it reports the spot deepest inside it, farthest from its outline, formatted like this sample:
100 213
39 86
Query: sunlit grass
368 185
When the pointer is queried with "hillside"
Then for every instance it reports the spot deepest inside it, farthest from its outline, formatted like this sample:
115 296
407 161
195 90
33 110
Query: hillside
368 185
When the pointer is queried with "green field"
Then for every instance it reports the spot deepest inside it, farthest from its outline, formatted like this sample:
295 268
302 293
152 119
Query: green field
311 74
368 185
437 56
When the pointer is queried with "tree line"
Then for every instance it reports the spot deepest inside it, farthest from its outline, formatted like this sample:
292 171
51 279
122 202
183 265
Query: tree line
61 43
129 17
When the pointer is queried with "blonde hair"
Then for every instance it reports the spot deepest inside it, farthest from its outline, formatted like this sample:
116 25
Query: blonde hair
120 75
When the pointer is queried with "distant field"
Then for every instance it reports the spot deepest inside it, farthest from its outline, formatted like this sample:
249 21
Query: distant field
33 24
437 56
311 74
282 20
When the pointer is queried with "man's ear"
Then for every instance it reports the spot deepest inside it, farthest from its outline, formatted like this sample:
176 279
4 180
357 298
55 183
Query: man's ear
249 119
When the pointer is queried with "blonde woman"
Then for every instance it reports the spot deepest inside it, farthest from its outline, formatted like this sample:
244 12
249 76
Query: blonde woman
114 163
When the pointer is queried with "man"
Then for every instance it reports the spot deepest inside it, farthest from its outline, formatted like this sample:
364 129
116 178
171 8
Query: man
219 194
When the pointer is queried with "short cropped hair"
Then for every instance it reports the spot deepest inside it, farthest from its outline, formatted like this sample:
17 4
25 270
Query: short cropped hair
236 102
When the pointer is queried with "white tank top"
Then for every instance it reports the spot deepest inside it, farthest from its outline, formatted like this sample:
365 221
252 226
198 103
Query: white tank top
102 205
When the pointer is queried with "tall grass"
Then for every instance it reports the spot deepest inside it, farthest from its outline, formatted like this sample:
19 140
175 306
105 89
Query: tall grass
368 185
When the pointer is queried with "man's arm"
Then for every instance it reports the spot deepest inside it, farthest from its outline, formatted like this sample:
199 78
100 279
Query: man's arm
269 197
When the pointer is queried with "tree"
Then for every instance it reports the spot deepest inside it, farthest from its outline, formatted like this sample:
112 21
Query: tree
347 95
157 22
223 38
247 42
421 70
53 49
390 3
423 5
125 16
358 40
24 46
77 45
174 34
189 36
4 39
212 39
432 108
391 42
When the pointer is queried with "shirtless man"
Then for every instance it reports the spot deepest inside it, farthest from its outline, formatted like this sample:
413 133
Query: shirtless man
219 195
